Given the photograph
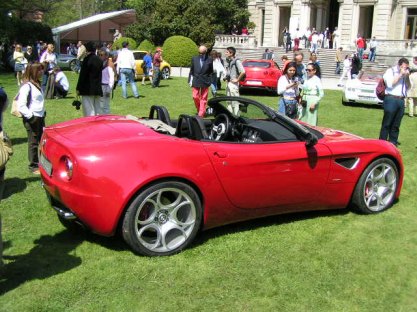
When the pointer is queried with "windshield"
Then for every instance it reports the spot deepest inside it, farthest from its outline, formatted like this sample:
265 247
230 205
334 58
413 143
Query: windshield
256 64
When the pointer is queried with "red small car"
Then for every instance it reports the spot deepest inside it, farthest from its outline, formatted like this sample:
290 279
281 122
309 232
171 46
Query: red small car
261 74
159 181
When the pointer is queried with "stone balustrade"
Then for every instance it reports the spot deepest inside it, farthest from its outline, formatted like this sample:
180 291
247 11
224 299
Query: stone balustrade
388 47
237 41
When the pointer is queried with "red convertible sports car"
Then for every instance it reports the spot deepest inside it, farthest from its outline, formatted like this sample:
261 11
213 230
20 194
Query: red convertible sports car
261 74
161 181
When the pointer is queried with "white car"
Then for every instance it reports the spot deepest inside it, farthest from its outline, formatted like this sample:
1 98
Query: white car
362 89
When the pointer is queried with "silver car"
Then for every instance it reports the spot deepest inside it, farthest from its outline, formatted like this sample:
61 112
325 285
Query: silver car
67 62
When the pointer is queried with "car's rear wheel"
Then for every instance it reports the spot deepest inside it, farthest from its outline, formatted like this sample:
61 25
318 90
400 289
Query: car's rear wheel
73 65
163 219
375 191
166 73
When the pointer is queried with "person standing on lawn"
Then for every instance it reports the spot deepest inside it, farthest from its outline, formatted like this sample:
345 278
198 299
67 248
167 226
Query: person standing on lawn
147 68
312 93
3 106
234 72
412 92
126 69
200 79
31 105
397 81
156 62
89 81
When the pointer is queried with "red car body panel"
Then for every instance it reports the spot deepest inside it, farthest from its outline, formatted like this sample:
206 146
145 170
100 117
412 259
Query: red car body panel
261 74
115 157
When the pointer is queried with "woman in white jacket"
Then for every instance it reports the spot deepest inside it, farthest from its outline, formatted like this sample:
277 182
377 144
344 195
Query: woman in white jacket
31 105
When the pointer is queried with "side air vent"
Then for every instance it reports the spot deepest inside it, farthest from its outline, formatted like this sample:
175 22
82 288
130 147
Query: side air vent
348 163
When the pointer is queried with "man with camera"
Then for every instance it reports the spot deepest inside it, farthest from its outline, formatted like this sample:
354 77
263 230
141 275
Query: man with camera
235 72
397 83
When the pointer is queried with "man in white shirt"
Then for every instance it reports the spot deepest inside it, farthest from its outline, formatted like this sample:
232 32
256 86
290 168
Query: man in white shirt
372 49
61 84
126 69
397 83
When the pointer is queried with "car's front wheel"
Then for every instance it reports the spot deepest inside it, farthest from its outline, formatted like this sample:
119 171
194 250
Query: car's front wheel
163 219
376 188
166 73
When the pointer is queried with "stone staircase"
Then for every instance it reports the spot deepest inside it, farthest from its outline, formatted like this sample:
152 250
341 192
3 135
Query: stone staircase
326 58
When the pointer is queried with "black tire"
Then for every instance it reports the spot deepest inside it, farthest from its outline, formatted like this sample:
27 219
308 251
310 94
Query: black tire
345 102
376 188
165 73
163 219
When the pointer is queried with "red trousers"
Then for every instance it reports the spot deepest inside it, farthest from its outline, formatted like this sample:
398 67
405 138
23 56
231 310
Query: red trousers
200 96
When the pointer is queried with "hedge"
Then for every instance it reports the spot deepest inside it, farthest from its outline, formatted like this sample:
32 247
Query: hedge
178 51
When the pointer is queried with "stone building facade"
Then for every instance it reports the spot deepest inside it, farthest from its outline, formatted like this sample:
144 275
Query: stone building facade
389 21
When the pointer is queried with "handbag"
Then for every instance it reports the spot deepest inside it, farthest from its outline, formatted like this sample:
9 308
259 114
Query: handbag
15 110
291 109
6 149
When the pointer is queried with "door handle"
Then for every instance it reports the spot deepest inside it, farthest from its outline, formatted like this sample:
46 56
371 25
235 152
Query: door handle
220 154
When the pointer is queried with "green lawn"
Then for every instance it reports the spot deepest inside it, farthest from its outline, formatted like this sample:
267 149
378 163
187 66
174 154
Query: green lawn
322 261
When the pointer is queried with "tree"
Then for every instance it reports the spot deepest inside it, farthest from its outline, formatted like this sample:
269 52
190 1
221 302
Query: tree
196 19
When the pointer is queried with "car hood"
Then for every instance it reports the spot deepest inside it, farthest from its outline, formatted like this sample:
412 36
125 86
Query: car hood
98 129
331 135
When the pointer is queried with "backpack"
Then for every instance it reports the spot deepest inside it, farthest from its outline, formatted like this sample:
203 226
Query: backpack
380 89
237 70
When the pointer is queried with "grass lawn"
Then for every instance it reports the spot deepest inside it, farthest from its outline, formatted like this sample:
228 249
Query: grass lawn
321 261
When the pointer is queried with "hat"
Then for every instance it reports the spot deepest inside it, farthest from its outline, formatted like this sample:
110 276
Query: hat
158 49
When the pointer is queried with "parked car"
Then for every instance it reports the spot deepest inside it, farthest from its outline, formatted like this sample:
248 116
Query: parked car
162 181
261 74
139 55
67 62
362 89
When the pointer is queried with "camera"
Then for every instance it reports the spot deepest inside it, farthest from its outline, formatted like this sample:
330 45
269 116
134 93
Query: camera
76 104
226 78
299 80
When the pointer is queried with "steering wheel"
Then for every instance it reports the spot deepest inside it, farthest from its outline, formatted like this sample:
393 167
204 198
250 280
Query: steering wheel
220 128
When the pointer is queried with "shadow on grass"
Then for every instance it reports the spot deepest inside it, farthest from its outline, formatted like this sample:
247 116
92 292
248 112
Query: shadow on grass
16 185
116 243
368 106
50 256
264 222
17 141
258 92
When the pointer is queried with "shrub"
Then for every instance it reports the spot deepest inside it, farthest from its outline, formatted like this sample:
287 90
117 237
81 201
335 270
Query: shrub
118 43
178 50
146 45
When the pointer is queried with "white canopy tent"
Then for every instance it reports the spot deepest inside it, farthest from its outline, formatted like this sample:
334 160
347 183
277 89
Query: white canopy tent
98 28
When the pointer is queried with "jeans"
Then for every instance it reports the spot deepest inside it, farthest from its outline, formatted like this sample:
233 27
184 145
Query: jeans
337 71
156 76
127 73
360 53
372 55
393 114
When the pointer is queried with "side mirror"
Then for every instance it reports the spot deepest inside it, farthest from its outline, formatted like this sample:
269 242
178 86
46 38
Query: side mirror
311 139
